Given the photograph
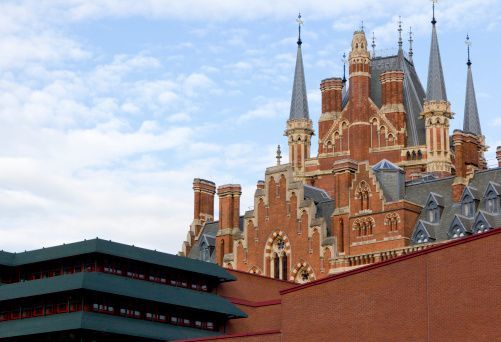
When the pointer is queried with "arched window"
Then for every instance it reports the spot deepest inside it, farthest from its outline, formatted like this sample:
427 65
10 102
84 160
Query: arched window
279 260
419 155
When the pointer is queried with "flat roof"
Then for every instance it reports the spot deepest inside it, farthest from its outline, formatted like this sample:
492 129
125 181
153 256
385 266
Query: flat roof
119 250
123 286
102 323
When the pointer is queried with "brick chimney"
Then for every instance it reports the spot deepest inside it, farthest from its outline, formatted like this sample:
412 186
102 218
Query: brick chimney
498 155
203 205
203 210
229 219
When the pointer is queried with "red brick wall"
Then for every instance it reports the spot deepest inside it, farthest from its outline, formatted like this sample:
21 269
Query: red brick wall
450 294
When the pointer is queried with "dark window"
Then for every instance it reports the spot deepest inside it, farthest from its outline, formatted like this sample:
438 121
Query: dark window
284 267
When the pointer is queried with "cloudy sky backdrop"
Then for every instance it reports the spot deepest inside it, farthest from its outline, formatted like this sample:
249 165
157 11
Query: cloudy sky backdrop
109 109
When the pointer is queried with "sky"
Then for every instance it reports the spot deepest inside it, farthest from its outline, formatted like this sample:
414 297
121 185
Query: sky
110 108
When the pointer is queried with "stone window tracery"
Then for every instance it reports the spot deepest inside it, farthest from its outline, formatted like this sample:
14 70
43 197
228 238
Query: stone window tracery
279 260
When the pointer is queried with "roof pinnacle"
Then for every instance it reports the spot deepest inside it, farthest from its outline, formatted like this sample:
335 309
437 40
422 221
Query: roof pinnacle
433 20
344 67
400 33
468 44
411 53
373 45
279 155
299 23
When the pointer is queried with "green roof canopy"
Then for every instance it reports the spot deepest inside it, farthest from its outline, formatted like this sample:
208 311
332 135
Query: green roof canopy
101 323
123 286
118 250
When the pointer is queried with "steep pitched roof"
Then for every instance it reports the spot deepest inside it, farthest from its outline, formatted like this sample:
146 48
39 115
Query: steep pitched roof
413 93
436 85
299 101
471 123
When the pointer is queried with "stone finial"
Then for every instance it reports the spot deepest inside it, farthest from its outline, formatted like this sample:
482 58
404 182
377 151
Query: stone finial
279 155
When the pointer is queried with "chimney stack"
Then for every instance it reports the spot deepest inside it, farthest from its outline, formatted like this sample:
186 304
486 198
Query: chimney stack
229 219
204 192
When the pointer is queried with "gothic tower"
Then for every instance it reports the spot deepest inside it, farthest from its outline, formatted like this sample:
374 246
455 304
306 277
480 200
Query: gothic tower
437 112
299 126
359 93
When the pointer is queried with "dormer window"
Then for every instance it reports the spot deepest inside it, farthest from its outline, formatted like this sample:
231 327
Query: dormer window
468 206
492 202
433 212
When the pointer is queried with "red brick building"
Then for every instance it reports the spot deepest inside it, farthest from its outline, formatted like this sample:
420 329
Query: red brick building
388 178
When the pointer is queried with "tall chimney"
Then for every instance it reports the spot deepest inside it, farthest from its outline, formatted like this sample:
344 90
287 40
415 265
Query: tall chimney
229 219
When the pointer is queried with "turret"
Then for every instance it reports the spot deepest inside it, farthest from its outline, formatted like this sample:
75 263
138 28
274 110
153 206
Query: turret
299 126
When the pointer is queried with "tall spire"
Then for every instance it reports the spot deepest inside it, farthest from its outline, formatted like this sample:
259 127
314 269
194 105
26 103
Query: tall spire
299 101
411 52
471 123
436 84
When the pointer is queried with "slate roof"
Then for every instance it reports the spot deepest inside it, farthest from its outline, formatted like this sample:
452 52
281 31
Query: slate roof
102 323
413 93
118 250
324 204
122 286
209 230
419 192
299 100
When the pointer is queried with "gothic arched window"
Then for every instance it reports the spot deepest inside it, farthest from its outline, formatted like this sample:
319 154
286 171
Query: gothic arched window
279 264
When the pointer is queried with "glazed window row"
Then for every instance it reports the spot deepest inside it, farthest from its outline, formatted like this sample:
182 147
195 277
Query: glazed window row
108 305
105 264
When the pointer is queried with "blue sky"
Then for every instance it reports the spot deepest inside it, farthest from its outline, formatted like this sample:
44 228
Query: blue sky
109 109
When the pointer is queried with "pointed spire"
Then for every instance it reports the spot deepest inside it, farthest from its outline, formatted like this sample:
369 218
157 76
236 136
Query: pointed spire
436 84
471 123
411 52
299 101
399 33
373 45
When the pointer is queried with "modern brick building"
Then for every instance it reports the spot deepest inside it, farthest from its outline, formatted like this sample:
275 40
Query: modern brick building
389 177
99 290
447 292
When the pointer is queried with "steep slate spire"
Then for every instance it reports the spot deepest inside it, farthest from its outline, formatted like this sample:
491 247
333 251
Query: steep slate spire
299 101
436 84
471 123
